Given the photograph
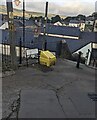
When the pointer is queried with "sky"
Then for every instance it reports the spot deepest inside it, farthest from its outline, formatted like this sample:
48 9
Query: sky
61 7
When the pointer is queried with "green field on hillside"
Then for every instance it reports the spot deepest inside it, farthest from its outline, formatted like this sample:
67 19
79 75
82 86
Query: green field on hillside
18 12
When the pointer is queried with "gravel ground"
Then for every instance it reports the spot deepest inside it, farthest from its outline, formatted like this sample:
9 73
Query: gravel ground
58 77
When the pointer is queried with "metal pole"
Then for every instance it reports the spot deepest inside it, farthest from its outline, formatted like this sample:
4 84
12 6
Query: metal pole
45 21
11 33
79 59
20 51
24 23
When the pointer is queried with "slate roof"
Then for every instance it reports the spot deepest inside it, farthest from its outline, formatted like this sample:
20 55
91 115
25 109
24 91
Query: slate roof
28 36
31 23
18 23
74 45
74 21
18 34
62 30
86 38
0 19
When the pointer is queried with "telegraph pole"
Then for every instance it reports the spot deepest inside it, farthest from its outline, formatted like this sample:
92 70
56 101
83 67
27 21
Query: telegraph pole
24 23
45 22
11 33
17 2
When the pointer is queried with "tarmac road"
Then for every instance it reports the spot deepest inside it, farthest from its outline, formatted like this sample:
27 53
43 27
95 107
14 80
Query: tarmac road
63 87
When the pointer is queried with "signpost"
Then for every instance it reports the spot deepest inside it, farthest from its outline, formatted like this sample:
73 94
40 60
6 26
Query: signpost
36 32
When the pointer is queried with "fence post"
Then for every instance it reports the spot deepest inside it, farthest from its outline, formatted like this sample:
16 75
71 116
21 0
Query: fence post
20 52
79 59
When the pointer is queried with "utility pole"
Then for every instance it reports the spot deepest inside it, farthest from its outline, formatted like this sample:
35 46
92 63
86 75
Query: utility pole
24 23
11 33
45 22
17 2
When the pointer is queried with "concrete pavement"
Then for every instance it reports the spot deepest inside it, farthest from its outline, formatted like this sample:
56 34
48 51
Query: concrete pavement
64 89
40 104
0 93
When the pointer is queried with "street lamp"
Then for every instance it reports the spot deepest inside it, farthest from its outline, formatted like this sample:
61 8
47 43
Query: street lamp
45 21
11 34
17 2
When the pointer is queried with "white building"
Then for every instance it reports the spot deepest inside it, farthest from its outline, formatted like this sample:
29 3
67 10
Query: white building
89 22
76 23
95 26
4 26
89 53
58 23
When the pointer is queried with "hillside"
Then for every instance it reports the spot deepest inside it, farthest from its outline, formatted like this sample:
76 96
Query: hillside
18 12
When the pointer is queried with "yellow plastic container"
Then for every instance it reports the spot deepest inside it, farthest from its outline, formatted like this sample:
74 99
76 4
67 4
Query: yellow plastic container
47 58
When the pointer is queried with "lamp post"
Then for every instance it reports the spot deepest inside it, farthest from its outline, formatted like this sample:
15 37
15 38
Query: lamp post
45 22
24 23
11 33
17 2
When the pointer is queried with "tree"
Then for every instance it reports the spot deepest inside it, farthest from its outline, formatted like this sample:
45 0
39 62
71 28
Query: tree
94 15
56 19
81 17
31 18
67 19
96 26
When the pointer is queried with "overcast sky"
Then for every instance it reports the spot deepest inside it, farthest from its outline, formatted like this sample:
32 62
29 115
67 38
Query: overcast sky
61 7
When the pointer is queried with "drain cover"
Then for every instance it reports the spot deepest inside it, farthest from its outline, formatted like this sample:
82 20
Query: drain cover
92 96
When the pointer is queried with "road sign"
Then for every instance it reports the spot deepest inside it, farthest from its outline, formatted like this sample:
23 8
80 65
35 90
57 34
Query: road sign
36 32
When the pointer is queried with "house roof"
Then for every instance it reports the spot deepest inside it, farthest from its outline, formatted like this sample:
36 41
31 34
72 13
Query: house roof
85 38
62 30
90 18
17 23
29 37
0 16
31 23
73 44
0 19
74 21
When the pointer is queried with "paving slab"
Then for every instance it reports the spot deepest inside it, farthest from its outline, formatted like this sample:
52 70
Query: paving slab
83 103
76 103
0 111
0 106
0 96
40 104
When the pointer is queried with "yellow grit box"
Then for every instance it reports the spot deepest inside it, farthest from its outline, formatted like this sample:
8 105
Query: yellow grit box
47 58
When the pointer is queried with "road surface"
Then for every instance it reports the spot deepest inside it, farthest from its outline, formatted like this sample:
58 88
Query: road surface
62 90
